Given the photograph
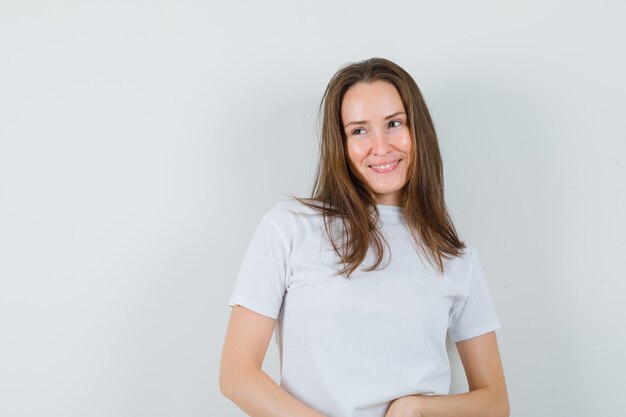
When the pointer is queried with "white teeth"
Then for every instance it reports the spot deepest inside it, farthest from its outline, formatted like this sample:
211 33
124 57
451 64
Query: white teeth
384 166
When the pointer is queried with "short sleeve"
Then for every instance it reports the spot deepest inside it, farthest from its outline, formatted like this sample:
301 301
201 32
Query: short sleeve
474 314
261 282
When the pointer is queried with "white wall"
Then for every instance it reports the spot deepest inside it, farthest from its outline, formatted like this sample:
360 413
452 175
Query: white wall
140 143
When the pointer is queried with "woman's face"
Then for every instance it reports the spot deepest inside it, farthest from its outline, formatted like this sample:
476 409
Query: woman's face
378 140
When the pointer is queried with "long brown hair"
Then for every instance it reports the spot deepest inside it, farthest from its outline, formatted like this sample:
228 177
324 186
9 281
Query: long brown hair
344 196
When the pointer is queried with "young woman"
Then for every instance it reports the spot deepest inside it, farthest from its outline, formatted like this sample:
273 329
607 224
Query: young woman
362 282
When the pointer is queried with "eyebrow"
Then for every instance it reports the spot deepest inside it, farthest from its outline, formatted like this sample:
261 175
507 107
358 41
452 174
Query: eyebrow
362 122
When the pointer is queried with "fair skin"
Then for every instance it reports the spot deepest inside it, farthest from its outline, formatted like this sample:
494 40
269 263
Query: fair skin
376 129
375 124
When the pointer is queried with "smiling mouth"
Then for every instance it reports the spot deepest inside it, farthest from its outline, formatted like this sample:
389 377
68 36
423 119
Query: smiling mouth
384 168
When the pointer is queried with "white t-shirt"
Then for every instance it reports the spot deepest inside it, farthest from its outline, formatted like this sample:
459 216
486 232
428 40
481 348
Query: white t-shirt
349 346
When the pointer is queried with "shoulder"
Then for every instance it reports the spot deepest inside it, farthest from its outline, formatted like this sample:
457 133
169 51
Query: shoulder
288 216
460 266
288 210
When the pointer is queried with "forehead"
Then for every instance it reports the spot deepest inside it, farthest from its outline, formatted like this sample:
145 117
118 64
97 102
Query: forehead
363 101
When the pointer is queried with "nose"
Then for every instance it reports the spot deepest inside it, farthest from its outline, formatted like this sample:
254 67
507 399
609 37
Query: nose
381 143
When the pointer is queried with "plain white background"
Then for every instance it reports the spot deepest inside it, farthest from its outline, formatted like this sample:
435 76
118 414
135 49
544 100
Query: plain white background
141 142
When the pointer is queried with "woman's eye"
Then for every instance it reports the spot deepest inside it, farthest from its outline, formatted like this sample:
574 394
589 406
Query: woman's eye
395 123
358 131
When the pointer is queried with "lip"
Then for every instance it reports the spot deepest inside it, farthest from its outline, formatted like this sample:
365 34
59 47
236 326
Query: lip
388 170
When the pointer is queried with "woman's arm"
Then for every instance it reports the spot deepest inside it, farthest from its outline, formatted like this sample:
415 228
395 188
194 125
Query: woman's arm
487 396
241 378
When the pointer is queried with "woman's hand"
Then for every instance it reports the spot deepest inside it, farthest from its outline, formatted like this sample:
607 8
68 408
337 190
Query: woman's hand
408 406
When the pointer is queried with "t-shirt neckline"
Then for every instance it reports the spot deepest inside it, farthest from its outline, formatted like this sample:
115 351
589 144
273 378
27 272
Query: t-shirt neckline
389 214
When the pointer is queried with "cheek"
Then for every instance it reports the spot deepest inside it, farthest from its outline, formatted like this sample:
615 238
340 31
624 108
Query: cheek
406 144
356 152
